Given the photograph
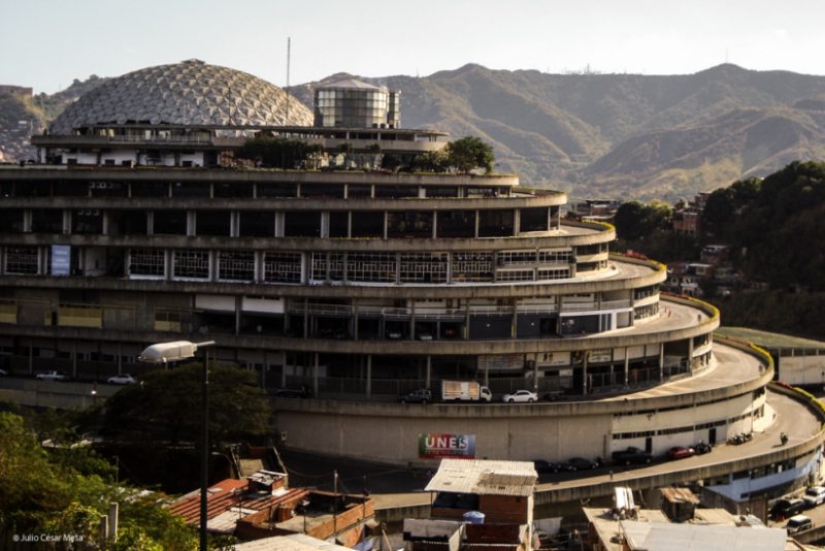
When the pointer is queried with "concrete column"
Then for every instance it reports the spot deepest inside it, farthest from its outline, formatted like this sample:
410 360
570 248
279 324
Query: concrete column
355 321
412 321
626 366
514 321
466 331
306 318
324 229
584 374
428 377
238 310
690 354
315 374
191 223
369 376
661 361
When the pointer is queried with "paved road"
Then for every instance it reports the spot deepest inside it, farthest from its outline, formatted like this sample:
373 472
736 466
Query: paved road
399 486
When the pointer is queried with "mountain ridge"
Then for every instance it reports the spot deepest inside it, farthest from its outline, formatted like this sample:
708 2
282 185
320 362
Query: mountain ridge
614 135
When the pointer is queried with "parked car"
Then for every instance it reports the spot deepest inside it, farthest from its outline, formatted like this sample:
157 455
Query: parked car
798 523
420 396
292 393
579 464
122 379
680 452
702 448
786 507
543 466
815 495
520 396
631 455
51 376
3 373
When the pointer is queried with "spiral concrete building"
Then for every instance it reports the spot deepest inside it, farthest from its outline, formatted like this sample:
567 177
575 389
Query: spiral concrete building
356 285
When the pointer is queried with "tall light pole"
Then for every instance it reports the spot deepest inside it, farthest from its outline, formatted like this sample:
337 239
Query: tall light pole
166 352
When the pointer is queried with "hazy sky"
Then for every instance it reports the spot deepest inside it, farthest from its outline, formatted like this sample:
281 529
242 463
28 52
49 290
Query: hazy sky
46 44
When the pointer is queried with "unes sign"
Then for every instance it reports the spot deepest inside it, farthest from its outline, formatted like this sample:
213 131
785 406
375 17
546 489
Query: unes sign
438 446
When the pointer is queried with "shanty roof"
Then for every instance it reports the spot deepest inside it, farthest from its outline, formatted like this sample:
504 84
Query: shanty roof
484 477
292 542
228 495
679 495
691 537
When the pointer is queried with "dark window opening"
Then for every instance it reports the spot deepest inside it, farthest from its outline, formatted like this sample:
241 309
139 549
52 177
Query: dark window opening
214 223
257 224
169 222
302 224
456 223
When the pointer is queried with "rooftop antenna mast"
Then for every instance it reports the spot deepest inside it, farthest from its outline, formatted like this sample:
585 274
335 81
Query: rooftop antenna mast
288 58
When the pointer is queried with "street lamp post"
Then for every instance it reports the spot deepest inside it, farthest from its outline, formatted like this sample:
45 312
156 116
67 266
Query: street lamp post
164 353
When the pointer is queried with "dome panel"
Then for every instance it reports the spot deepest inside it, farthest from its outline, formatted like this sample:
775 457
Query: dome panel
178 94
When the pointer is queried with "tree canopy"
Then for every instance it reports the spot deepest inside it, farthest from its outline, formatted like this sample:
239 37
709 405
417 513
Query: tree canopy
635 221
469 153
276 152
66 490
165 407
775 225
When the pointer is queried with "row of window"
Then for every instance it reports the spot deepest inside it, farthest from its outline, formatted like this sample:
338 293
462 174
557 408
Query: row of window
217 190
289 267
292 223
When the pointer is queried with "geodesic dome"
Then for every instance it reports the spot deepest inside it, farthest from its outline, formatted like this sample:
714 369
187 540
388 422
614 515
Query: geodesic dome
187 93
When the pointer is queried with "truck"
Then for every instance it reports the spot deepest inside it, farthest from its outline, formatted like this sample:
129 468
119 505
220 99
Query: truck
464 391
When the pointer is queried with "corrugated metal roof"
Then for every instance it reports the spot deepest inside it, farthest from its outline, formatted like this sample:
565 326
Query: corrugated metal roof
484 477
690 537
225 495
292 542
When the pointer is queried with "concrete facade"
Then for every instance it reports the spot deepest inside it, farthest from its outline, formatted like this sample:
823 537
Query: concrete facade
359 286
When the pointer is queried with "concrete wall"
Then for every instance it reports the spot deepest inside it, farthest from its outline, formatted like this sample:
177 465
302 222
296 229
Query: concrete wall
802 367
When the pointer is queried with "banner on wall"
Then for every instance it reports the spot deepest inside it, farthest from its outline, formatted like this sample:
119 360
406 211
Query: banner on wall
440 446
61 260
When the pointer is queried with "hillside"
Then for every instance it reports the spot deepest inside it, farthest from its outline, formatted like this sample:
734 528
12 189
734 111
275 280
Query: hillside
619 135
615 135
22 114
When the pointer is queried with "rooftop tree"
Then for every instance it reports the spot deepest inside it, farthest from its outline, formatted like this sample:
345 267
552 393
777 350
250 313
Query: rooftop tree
470 153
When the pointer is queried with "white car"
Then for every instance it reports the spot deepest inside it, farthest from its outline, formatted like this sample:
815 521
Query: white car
51 376
520 396
815 495
122 379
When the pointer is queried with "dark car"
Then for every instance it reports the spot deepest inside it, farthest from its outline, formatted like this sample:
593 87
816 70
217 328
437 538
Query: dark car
680 452
543 466
579 464
786 508
420 396
702 448
291 393
631 455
